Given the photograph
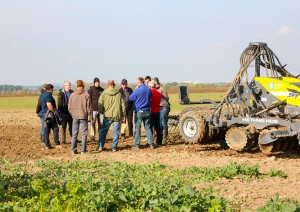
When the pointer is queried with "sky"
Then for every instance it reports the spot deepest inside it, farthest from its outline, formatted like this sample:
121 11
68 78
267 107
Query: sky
192 40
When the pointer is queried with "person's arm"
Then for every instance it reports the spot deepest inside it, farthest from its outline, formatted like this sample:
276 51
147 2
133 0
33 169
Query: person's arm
50 107
70 104
89 108
60 103
101 104
90 92
133 95
123 109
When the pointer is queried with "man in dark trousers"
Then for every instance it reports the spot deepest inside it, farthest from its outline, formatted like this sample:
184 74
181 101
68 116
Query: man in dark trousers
48 103
95 92
125 92
62 104
155 111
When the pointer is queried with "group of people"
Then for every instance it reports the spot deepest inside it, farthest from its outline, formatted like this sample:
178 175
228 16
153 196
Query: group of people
147 103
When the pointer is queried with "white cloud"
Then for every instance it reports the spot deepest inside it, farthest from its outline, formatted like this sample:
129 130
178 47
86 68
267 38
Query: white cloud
72 59
285 30
13 46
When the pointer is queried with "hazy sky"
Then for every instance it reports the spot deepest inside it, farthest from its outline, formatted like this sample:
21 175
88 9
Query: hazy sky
53 41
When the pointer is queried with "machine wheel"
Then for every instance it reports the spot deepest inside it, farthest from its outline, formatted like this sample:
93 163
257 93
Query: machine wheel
192 127
187 109
236 138
265 148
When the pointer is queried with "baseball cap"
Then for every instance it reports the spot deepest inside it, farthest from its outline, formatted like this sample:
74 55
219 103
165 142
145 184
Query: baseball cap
124 81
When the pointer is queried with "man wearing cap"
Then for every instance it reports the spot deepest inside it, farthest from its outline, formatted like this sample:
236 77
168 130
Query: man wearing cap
95 92
164 109
125 92
142 95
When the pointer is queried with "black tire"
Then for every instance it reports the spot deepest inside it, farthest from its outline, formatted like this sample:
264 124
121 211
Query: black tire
192 127
187 109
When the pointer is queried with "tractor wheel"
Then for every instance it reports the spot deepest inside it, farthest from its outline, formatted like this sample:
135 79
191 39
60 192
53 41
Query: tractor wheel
192 127
187 109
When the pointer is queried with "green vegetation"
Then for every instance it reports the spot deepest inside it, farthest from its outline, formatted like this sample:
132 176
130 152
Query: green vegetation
30 102
78 185
20 102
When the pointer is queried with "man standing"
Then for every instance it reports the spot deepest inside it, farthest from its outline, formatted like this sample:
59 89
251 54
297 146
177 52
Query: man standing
112 106
125 92
142 95
155 111
62 104
95 92
48 105
164 109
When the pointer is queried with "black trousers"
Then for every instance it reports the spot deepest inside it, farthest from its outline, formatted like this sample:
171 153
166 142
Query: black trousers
129 118
67 120
155 123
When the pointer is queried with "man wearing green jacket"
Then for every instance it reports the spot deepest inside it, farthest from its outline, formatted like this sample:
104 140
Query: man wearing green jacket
112 106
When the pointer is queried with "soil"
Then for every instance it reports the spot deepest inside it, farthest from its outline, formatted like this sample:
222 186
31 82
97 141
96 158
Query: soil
19 141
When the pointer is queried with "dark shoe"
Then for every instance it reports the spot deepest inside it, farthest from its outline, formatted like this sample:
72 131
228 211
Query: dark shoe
99 149
152 146
135 148
114 149
75 152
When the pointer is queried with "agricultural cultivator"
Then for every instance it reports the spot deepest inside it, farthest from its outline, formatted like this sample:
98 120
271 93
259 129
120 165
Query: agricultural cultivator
262 112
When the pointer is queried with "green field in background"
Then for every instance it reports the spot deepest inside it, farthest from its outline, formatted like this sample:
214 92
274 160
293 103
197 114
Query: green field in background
30 102
18 102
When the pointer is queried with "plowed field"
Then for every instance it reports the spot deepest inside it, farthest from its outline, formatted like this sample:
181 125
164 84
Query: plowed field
19 141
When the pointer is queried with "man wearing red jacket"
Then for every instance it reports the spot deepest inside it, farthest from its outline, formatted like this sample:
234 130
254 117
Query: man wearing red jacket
155 111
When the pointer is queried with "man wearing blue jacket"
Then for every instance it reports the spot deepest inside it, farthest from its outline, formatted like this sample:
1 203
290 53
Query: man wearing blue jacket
142 95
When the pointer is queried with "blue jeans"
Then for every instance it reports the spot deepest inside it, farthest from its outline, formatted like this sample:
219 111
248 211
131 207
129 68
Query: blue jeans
75 128
105 127
164 112
43 129
138 119
46 130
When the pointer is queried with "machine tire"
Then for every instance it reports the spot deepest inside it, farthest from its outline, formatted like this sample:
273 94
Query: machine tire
187 109
192 127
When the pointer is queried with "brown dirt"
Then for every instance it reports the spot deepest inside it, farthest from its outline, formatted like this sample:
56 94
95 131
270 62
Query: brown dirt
19 141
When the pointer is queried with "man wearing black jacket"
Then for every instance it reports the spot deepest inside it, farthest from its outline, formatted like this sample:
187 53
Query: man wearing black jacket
125 92
95 92
62 104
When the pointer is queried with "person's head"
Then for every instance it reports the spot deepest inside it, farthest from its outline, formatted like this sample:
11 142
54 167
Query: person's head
140 80
152 84
111 84
80 84
96 82
157 82
49 88
147 79
67 86
124 83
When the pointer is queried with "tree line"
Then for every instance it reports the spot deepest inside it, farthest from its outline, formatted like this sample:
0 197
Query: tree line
10 88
